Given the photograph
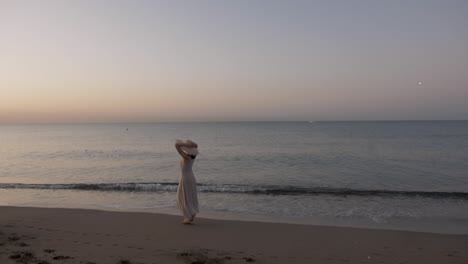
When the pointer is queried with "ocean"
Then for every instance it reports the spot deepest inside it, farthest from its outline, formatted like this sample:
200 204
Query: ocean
409 175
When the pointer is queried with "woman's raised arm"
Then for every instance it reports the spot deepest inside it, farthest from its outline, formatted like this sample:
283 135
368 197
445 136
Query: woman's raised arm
178 145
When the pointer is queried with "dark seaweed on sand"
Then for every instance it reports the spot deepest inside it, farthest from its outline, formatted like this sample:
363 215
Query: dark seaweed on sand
248 259
60 257
49 250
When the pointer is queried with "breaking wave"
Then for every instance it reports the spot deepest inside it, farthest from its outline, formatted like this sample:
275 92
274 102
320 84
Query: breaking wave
236 188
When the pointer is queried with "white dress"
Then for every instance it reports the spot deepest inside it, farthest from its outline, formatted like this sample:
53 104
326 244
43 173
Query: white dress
187 200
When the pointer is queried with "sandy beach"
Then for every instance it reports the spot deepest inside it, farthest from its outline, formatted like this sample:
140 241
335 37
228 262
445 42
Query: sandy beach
44 235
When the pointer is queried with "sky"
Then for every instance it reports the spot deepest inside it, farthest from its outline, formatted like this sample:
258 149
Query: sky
239 60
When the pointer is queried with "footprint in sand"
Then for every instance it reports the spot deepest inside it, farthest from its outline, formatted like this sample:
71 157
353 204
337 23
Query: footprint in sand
14 256
22 257
21 244
13 238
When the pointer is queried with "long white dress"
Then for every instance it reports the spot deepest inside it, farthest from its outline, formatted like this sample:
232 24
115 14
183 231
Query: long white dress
187 200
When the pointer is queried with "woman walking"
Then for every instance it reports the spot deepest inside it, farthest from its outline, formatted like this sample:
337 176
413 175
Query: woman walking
187 200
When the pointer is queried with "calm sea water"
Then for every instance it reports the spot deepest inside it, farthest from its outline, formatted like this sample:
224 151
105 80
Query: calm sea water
401 174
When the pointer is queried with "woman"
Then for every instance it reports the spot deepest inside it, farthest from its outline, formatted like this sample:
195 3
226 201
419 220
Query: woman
187 200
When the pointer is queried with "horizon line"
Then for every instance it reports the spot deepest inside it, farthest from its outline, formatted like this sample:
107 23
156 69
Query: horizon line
240 121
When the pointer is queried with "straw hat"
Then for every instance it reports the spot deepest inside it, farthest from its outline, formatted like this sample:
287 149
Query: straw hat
188 146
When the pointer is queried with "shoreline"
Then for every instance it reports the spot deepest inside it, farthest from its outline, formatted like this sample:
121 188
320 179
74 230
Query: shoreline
96 236
456 227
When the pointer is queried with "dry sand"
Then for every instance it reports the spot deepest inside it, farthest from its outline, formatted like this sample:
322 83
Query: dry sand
41 236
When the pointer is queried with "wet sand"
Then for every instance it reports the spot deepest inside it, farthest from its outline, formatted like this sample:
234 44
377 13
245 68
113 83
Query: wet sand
42 236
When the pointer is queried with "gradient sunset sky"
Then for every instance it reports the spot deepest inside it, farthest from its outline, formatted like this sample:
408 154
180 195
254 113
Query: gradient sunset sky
149 61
